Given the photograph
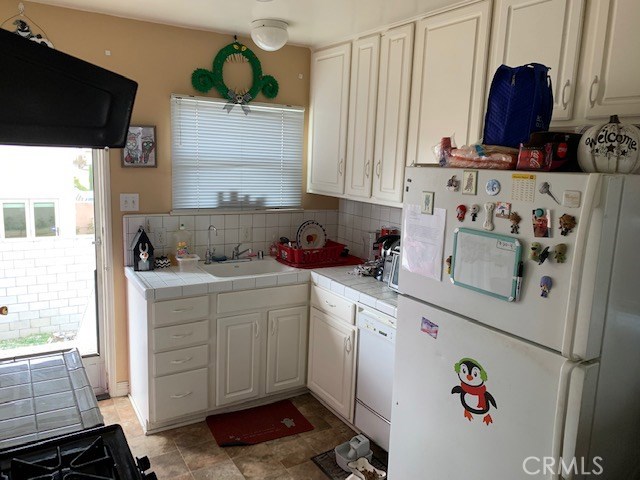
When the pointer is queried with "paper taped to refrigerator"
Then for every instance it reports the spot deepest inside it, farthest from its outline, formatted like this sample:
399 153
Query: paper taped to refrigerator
423 242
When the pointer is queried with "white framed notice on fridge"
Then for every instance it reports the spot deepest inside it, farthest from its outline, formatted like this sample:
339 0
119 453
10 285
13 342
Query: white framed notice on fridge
487 263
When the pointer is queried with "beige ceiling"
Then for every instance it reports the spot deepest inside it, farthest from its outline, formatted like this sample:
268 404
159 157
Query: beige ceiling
312 22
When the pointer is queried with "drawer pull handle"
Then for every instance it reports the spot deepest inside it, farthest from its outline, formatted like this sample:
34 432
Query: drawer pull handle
180 362
181 335
181 395
330 304
592 101
347 344
180 310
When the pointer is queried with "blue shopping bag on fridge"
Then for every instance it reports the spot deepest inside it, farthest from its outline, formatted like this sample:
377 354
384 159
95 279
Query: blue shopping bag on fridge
520 103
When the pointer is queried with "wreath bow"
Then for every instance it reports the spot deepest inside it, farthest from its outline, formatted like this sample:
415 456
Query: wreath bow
236 99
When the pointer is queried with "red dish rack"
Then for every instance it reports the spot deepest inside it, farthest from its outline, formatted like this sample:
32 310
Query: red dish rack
310 257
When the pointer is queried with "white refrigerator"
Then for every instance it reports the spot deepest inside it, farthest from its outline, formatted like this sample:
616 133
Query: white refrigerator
496 379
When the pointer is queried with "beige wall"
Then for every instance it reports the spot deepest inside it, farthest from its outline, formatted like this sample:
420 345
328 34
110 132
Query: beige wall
160 58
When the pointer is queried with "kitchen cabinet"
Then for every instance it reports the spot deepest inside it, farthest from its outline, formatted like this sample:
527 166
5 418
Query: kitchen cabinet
392 117
332 351
362 116
448 85
612 76
330 70
540 31
262 351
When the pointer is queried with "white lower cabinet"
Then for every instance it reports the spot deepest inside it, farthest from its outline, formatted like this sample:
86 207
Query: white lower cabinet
181 394
332 360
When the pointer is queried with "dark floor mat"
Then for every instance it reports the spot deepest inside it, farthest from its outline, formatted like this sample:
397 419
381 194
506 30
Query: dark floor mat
327 463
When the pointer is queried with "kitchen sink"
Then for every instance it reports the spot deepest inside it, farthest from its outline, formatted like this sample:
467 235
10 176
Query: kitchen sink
245 268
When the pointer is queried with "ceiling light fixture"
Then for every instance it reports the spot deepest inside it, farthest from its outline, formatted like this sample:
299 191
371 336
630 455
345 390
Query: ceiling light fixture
269 35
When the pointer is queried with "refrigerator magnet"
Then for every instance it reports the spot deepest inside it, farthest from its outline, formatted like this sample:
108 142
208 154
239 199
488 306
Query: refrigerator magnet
469 182
474 397
534 251
571 198
541 220
567 224
503 209
475 208
560 253
492 187
453 184
488 217
430 328
461 211
427 203
514 218
545 285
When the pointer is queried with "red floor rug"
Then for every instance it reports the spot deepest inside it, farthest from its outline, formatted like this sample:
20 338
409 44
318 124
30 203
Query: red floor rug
259 424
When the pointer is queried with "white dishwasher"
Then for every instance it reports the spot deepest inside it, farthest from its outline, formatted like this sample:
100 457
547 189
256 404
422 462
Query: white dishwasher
374 383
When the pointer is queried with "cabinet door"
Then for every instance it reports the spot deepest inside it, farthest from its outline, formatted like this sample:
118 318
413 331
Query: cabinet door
614 75
238 358
328 121
332 362
394 88
449 71
287 348
553 41
362 116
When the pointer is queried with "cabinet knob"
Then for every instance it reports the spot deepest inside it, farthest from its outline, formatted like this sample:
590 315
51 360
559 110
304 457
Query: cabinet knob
378 168
565 88
592 100
340 166
347 344
366 168
4 310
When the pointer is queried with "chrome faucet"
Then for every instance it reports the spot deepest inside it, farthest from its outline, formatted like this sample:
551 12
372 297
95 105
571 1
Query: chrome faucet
237 253
208 255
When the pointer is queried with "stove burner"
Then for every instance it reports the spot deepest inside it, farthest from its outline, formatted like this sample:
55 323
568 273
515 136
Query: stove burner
93 462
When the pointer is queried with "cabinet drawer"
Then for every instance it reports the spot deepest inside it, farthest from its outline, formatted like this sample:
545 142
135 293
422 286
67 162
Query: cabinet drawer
181 394
263 298
179 310
180 360
333 304
179 336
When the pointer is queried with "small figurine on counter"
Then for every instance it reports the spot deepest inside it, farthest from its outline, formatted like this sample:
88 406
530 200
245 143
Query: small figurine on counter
544 254
475 208
545 285
448 262
453 184
514 218
534 254
567 224
560 252
461 211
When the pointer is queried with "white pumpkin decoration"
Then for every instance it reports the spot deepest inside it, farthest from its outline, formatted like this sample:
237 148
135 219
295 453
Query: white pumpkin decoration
610 148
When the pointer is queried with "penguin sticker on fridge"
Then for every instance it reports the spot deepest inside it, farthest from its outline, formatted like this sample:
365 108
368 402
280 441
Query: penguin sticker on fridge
474 397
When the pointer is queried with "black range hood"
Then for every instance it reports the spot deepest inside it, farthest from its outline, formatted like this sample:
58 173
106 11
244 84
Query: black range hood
49 98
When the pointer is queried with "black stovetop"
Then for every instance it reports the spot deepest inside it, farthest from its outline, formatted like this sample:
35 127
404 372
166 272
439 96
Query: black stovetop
98 453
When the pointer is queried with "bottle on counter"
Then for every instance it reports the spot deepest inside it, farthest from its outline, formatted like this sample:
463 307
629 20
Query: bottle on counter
182 241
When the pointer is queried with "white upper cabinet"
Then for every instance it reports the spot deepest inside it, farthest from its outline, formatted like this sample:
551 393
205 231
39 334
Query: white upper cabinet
613 71
362 116
448 87
328 119
540 31
393 113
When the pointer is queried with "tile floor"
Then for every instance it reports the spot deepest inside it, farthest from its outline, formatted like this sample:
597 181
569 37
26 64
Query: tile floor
191 453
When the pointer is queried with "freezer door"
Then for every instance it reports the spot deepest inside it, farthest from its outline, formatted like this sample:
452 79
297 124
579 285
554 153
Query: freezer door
550 321
470 402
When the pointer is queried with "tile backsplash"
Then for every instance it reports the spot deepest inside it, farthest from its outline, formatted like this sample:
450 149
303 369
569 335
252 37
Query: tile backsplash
347 225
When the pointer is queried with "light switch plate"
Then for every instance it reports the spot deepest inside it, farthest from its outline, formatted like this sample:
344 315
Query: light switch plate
129 202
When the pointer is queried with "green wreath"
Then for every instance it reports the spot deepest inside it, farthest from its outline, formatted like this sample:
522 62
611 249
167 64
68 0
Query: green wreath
204 80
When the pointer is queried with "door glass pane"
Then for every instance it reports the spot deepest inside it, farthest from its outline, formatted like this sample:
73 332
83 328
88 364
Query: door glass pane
15 220
44 215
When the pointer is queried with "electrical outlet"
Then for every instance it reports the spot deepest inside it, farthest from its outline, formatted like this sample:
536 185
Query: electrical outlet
161 237
245 234
129 202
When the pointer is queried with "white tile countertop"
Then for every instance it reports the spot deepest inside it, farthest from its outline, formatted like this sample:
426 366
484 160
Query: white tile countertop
365 290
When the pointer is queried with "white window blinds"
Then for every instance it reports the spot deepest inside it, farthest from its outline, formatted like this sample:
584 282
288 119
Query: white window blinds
233 160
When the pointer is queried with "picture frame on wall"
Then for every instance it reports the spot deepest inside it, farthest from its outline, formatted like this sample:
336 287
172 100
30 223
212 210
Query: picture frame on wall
141 148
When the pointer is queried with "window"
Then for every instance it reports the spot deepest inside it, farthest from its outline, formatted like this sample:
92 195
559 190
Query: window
233 160
29 218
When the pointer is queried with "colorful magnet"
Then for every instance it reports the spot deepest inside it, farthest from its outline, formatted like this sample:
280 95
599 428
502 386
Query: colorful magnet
475 208
560 252
474 396
448 262
514 218
493 187
534 252
571 198
545 189
545 285
488 219
453 184
503 209
541 220
461 211
567 224
544 254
